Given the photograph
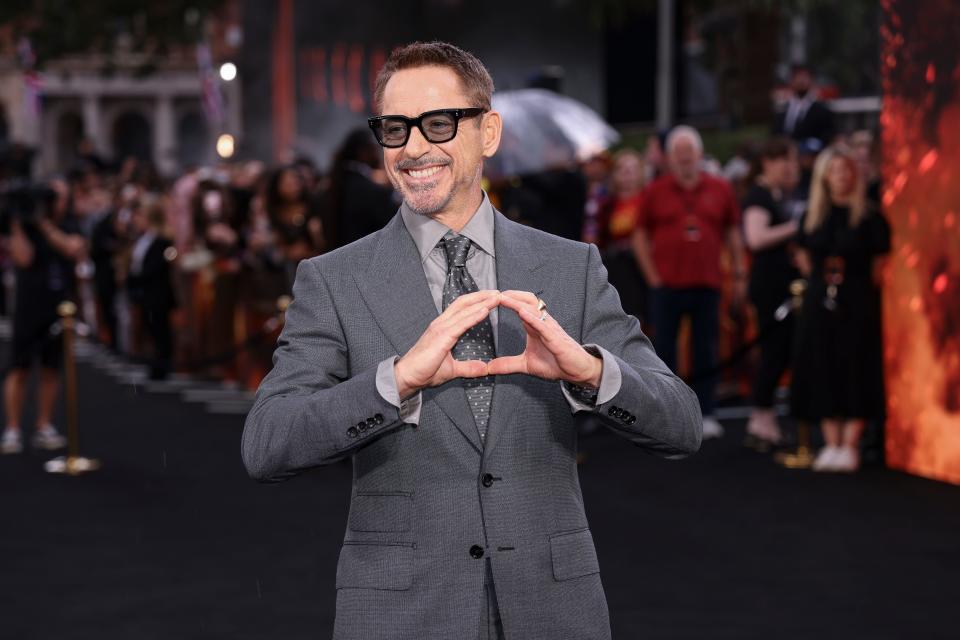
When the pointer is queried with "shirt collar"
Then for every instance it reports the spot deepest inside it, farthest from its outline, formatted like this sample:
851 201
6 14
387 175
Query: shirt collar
427 232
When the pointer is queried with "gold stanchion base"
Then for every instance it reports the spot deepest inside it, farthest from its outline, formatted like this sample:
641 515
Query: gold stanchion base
802 458
71 465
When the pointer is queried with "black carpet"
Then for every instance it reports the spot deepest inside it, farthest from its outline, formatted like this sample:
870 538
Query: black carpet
172 540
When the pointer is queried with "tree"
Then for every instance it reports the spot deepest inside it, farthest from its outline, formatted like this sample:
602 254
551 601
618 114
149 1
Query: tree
149 30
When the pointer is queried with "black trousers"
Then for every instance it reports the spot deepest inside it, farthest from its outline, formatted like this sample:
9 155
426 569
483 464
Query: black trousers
667 308
776 346
158 326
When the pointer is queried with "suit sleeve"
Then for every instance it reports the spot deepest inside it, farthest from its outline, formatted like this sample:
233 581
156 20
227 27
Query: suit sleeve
309 410
653 407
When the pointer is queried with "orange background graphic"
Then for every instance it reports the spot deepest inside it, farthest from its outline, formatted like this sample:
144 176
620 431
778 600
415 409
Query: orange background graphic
921 198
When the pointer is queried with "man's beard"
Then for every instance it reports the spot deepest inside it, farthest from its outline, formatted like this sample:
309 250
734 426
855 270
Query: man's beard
432 208
408 191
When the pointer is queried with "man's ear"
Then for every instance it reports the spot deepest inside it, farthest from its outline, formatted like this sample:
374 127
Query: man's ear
490 129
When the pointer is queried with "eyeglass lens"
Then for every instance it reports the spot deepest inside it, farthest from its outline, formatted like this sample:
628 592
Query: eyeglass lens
438 127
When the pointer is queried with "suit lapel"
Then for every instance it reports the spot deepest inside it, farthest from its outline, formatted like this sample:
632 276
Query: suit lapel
395 290
517 269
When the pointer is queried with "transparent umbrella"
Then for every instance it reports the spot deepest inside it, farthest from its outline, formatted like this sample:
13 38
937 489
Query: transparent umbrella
544 130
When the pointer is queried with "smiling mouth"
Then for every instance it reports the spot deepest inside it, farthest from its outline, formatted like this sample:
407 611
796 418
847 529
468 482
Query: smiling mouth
426 172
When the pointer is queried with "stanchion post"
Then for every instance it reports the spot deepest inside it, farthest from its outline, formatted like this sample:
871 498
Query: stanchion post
282 303
802 456
73 464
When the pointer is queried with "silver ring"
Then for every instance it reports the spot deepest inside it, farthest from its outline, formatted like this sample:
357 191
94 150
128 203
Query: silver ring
543 315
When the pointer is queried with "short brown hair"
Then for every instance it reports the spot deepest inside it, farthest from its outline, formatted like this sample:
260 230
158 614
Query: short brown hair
474 77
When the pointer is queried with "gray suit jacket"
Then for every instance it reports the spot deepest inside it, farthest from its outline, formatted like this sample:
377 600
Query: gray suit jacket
426 500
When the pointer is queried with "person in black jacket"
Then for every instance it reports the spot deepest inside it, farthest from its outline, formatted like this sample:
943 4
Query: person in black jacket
805 117
355 205
45 244
769 231
838 364
148 280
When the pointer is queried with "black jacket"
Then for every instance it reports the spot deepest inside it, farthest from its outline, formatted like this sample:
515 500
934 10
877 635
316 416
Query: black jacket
152 287
817 123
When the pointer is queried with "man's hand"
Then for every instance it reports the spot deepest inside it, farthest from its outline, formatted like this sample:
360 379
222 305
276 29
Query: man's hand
430 362
551 353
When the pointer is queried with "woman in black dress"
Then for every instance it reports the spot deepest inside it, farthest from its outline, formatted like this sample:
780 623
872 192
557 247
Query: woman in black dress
769 232
837 376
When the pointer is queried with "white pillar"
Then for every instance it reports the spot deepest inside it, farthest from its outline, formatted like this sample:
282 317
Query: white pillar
798 38
164 135
666 10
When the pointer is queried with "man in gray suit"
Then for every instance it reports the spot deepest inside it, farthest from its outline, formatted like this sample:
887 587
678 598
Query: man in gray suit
445 355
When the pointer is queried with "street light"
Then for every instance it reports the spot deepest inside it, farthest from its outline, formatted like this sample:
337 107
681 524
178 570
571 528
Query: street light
225 146
228 71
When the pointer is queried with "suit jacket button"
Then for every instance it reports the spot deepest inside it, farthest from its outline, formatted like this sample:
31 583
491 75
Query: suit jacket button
352 432
486 480
476 552
631 419
613 411
372 423
362 426
378 418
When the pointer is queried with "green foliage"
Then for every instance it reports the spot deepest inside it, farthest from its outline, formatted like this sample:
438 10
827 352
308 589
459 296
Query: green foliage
59 28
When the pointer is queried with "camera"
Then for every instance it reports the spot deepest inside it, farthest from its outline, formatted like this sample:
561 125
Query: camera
24 201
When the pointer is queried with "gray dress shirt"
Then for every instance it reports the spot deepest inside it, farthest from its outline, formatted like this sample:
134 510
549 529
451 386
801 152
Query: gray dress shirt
481 263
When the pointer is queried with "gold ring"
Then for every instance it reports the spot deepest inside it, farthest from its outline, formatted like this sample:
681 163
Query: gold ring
541 305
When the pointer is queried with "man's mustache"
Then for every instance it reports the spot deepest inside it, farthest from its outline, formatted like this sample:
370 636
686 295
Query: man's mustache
406 165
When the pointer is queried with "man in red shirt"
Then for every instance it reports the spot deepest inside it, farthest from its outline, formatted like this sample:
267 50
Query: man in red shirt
686 218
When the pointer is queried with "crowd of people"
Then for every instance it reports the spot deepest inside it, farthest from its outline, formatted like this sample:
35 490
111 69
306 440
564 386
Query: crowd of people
187 275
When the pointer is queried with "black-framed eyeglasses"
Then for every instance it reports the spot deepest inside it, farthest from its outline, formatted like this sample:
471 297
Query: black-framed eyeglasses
439 125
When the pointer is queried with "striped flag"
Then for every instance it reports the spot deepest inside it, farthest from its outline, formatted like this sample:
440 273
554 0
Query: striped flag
32 83
209 85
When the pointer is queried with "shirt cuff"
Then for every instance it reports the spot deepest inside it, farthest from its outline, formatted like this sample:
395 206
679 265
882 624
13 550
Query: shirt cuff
611 380
387 388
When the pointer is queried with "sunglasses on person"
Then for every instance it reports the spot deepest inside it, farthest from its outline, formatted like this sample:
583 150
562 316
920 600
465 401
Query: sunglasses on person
436 126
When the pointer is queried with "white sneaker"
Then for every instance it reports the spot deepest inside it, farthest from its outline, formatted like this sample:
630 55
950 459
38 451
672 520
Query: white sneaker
11 442
712 428
763 426
846 460
48 438
825 459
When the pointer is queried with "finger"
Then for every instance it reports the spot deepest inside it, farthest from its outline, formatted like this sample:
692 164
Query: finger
463 322
471 298
505 365
516 303
545 330
524 296
449 322
469 368
542 318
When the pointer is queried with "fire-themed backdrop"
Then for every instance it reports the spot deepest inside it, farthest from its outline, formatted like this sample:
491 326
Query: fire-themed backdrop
921 198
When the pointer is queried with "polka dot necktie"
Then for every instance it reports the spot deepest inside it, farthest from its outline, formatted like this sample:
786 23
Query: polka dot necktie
477 342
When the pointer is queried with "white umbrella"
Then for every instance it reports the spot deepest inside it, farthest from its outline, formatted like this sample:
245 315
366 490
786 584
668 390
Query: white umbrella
543 129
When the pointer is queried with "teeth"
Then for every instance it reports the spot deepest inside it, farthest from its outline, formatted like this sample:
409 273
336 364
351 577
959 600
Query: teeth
424 173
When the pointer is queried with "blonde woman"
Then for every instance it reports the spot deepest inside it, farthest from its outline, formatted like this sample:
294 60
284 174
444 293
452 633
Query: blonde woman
837 379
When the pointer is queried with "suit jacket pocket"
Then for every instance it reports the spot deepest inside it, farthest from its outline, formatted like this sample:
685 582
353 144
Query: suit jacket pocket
573 554
375 565
381 512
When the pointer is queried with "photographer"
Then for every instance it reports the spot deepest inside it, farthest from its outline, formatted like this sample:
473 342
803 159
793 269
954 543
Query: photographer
44 244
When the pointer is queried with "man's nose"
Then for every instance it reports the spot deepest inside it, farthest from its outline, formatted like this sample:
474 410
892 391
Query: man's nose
417 145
